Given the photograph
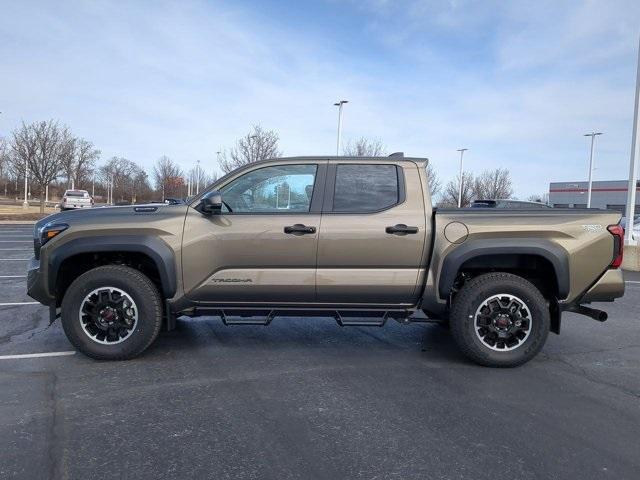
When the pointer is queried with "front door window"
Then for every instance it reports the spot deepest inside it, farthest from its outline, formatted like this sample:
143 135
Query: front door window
275 189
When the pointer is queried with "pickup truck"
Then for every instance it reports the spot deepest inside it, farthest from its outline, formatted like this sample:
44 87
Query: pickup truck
357 239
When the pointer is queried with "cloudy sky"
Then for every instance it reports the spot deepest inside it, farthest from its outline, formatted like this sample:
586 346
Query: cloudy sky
517 82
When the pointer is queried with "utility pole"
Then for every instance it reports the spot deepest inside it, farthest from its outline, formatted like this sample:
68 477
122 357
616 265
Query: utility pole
339 104
593 135
461 150
633 163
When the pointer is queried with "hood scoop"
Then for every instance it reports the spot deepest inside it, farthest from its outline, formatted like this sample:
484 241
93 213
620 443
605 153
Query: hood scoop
145 209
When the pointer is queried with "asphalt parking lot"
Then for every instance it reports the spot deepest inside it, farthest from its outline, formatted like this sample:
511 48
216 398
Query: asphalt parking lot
307 399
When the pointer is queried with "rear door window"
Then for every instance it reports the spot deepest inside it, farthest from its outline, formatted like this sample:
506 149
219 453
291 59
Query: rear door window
365 188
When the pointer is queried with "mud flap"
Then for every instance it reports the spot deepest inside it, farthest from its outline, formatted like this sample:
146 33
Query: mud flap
54 313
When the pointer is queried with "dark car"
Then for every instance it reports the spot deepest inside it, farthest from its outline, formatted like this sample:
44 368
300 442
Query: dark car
508 204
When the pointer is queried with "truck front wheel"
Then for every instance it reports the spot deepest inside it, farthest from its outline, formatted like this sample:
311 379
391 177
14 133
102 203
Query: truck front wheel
499 320
112 312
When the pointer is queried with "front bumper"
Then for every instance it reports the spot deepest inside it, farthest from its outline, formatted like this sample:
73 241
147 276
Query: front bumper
36 283
608 287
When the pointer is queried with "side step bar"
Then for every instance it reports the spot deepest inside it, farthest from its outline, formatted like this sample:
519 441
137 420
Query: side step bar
229 318
344 318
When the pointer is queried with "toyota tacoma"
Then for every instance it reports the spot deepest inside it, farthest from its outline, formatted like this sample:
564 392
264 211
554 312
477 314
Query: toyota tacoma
357 239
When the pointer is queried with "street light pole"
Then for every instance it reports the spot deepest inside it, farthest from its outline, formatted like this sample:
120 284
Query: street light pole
339 104
25 204
198 177
633 164
461 150
593 135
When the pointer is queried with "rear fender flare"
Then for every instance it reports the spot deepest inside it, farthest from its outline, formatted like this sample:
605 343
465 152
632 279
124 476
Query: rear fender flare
556 255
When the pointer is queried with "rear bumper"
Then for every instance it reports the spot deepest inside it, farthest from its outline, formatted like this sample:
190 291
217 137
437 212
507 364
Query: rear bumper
608 287
74 206
36 284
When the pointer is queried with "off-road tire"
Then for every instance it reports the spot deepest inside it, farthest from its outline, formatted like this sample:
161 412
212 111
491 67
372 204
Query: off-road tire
138 287
473 294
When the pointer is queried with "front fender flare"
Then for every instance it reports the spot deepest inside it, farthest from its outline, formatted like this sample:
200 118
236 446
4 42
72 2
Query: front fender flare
160 253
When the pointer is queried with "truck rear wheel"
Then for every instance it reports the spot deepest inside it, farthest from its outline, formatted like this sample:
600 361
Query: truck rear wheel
112 312
499 320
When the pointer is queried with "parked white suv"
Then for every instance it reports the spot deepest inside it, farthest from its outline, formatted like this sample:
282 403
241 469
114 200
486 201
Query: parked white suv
76 199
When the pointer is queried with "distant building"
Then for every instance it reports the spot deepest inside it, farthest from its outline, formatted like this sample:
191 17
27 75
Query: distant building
611 194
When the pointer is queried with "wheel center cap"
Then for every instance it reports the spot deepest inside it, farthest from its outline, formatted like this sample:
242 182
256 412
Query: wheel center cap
502 321
107 314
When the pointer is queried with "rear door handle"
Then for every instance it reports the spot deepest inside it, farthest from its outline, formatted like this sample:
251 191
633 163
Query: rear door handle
299 229
401 229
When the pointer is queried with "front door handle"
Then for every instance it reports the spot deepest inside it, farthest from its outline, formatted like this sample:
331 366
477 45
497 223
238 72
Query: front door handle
401 229
299 229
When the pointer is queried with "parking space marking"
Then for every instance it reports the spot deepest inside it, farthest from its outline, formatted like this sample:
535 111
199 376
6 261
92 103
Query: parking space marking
13 304
13 276
632 281
36 355
13 259
15 241
16 249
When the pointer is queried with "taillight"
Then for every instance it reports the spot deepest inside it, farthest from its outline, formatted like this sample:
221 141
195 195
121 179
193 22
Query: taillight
618 244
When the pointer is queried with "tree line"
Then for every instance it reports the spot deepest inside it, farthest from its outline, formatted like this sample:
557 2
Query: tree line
54 160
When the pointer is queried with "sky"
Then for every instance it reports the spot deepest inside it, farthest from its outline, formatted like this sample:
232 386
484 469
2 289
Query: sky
518 83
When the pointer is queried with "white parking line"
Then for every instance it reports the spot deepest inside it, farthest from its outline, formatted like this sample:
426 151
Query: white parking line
6 259
13 276
13 304
36 355
17 249
631 281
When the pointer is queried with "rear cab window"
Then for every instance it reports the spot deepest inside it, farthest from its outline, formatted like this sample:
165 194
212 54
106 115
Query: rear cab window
366 188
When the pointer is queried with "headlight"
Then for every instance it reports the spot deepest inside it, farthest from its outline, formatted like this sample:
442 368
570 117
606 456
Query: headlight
50 230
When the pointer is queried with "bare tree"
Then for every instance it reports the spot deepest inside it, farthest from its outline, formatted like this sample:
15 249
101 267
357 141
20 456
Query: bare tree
79 163
492 184
364 147
165 175
433 181
43 147
258 144
450 194
122 173
140 187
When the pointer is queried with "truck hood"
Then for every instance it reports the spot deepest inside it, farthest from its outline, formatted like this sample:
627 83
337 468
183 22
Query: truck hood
118 216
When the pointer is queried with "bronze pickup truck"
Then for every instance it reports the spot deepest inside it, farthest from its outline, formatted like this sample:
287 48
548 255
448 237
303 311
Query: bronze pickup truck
353 238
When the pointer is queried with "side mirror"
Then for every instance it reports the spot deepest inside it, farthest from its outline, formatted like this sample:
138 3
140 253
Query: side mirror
212 203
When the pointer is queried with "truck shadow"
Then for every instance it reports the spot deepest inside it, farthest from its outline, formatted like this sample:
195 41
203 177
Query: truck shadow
297 334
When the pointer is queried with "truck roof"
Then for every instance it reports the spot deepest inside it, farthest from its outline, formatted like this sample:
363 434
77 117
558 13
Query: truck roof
392 157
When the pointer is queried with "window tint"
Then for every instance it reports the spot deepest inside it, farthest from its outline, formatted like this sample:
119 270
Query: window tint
365 188
282 188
